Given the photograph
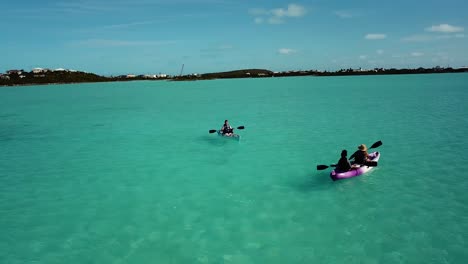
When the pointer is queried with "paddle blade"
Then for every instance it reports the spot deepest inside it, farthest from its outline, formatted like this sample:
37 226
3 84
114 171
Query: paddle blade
241 127
371 163
376 144
213 130
321 167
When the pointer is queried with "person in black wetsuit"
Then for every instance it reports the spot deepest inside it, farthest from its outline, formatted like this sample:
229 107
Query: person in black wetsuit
226 129
343 164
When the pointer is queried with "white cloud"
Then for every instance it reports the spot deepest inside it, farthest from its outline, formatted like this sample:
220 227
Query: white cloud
88 6
121 43
417 38
293 10
417 54
127 25
363 57
286 51
346 13
379 51
444 36
258 20
375 36
445 28
275 20
343 14
225 47
277 15
441 53
427 37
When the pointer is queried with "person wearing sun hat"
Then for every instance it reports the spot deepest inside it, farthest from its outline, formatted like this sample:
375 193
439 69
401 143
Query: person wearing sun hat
360 156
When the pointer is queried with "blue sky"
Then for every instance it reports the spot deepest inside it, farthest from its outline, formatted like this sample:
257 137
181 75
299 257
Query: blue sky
158 36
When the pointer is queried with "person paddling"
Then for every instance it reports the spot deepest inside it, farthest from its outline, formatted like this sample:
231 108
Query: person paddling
360 156
226 129
343 164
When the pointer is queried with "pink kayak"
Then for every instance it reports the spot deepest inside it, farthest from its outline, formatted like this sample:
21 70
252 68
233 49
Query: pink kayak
337 175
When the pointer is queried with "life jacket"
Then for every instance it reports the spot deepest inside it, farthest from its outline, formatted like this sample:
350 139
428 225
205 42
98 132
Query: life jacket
227 129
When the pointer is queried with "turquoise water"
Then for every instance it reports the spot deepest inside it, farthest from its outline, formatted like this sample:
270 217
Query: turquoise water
128 173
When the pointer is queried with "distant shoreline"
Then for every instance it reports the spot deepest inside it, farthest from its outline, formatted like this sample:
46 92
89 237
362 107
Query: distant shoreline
257 73
21 78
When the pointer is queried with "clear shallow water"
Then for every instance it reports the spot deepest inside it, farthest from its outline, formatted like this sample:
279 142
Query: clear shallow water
128 173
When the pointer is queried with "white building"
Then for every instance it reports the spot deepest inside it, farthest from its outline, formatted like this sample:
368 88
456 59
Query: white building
39 70
14 72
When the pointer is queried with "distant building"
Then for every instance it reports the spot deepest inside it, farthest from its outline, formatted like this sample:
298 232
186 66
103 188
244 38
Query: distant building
131 75
38 70
14 72
60 70
4 77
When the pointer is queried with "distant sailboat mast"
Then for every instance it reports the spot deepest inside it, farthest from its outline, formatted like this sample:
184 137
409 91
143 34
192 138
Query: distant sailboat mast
181 70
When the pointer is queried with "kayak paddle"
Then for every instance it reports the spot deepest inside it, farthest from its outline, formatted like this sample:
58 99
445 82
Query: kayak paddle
369 163
322 167
214 130
376 144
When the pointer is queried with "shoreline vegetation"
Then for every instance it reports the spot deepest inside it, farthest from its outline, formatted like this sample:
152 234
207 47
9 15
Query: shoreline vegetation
41 76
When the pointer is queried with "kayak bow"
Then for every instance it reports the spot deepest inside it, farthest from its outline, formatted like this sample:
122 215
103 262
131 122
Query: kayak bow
234 136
